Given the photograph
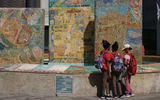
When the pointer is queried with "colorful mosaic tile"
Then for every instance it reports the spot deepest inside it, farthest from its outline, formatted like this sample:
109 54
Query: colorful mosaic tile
91 69
79 68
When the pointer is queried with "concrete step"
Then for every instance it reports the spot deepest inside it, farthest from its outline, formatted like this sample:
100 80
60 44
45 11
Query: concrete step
39 84
151 58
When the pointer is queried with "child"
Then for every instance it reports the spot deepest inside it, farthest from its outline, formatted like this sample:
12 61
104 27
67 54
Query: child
117 67
143 50
127 49
106 75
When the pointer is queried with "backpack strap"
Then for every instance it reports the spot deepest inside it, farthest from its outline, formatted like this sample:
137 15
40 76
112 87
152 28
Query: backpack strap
131 58
116 54
113 54
119 55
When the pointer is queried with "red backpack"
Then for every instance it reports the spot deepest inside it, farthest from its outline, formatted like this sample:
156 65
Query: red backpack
133 65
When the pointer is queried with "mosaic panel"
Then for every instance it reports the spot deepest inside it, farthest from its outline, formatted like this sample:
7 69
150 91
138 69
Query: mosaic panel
71 31
21 36
68 31
71 3
119 20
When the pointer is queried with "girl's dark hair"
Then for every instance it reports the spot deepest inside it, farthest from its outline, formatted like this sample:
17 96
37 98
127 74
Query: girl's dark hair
105 44
115 46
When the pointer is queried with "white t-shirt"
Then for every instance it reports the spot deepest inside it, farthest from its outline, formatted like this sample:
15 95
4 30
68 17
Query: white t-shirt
127 57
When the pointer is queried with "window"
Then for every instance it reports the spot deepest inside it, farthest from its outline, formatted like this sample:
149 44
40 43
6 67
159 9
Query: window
150 33
13 3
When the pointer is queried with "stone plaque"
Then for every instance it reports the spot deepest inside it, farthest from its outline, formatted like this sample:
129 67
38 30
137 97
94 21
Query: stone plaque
64 84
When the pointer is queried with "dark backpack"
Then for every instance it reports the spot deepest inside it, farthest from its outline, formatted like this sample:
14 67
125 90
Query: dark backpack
132 66
118 63
99 62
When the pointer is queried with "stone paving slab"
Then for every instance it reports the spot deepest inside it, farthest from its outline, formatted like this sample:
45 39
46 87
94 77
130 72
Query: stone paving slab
139 97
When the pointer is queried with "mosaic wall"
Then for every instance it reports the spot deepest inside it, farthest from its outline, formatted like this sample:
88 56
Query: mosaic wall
119 20
21 36
72 31
71 3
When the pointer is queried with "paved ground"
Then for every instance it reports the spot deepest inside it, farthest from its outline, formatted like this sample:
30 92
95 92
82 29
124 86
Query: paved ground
142 97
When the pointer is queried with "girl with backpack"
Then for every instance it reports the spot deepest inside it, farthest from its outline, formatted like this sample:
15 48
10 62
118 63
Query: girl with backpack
117 67
127 60
106 74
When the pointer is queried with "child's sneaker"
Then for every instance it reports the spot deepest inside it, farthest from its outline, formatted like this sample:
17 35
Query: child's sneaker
122 96
102 97
109 97
132 94
115 97
127 95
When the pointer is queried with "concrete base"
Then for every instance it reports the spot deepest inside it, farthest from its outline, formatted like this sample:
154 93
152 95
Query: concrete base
39 84
151 58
